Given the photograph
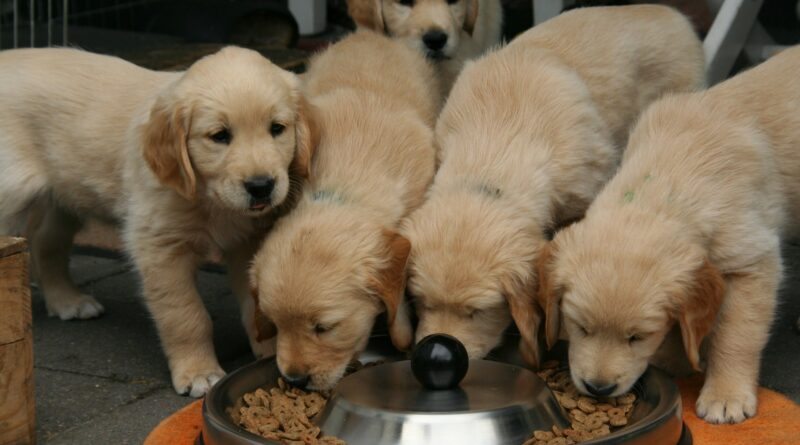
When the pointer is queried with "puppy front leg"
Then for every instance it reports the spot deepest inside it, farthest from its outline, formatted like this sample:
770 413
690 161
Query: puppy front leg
734 355
239 260
168 276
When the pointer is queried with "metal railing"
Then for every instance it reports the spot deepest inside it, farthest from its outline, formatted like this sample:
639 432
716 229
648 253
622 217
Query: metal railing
22 21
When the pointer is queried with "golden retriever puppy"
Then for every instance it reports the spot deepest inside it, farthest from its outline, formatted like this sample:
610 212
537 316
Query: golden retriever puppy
687 234
184 162
449 32
336 261
528 136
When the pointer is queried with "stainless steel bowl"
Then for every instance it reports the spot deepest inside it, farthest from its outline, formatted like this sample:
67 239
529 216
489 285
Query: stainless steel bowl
496 404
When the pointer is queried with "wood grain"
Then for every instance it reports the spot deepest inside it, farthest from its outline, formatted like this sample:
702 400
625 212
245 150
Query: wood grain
17 416
15 300
17 425
10 245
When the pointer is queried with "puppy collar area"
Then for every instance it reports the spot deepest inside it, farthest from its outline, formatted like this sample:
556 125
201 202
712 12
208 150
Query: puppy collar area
330 196
482 188
485 189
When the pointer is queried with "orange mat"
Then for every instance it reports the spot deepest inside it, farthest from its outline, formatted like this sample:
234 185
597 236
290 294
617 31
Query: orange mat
777 422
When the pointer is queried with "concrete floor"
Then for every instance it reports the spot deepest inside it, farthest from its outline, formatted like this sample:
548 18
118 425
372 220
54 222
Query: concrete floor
106 381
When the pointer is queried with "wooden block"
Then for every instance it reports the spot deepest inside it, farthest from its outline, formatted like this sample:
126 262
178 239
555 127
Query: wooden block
17 421
17 416
15 300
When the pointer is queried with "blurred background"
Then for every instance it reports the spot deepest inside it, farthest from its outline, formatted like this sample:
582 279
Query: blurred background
170 33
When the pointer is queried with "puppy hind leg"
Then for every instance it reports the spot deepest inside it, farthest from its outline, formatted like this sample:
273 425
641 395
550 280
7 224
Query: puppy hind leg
51 240
19 189
741 332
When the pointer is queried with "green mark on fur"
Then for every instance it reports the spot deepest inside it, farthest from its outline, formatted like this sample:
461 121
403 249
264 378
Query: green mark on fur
648 177
328 195
628 196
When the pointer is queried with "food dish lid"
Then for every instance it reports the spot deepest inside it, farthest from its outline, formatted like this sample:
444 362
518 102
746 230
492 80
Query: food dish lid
425 400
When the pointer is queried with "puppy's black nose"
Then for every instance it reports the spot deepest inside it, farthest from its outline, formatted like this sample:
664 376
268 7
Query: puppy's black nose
296 380
599 388
260 187
435 39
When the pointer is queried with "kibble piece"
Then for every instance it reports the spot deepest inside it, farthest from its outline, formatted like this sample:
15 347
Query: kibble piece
592 424
616 412
586 405
618 421
543 435
627 399
568 402
557 431
557 441
601 431
604 406
545 373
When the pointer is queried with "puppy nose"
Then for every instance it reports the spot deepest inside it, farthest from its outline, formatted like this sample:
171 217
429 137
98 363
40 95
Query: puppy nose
599 388
435 39
260 187
296 380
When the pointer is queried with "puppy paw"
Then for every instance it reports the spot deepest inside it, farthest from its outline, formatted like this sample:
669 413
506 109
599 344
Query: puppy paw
71 307
264 348
729 405
196 383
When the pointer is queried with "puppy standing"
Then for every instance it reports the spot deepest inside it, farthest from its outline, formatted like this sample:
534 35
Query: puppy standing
686 234
184 162
449 32
529 135
332 265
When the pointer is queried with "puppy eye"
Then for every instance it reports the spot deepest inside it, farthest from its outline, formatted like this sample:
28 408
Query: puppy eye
221 137
584 331
635 338
276 129
472 313
321 328
406 2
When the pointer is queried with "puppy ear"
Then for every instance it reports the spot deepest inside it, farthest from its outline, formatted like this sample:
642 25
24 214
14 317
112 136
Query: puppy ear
306 138
390 285
471 17
521 301
367 14
549 297
165 137
264 328
700 309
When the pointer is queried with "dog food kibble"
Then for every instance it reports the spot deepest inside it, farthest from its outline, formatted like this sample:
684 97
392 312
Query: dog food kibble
283 413
590 418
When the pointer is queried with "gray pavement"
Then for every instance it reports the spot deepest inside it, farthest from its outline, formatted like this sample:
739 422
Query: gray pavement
105 381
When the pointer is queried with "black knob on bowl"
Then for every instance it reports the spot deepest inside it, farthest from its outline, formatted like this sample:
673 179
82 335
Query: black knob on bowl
439 361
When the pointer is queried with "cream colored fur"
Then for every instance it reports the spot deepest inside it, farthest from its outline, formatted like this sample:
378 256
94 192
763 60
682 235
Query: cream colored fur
686 236
528 136
91 136
336 262
472 27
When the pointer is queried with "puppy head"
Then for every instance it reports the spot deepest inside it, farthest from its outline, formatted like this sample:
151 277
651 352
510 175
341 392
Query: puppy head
617 289
322 287
471 271
229 131
431 26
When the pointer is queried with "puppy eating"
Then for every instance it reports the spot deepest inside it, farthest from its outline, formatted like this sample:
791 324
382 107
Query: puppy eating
528 136
184 162
448 32
336 262
686 236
